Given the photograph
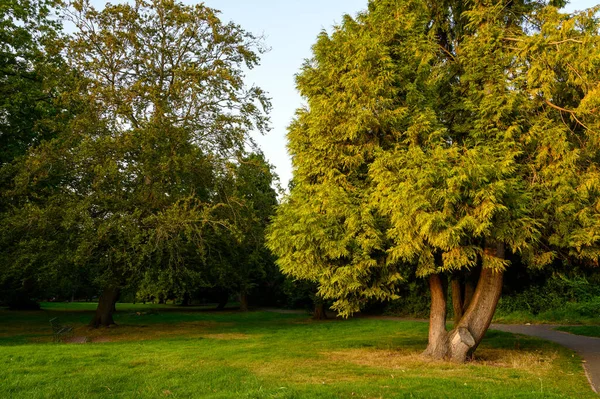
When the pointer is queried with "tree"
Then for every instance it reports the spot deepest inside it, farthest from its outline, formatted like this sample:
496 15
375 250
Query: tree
447 137
165 110
238 260
254 181
30 57
33 77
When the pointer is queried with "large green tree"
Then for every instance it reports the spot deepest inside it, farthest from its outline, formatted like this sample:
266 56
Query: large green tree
447 137
165 110
33 78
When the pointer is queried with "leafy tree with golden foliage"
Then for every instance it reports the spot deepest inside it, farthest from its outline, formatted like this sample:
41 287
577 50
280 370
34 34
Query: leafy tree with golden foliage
449 137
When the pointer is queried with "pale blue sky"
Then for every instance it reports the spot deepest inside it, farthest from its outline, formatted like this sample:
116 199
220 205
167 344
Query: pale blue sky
290 28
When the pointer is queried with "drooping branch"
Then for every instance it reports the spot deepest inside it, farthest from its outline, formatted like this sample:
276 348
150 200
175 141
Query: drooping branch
573 114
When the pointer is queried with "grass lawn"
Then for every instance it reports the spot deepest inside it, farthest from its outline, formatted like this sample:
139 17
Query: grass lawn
194 353
585 313
588 331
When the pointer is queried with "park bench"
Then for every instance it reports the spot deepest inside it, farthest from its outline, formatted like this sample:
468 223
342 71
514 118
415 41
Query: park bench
60 330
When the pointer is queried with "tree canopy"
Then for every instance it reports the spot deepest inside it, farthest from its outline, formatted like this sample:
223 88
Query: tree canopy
132 183
448 137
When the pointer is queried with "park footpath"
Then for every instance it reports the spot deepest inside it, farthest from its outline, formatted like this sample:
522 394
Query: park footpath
587 347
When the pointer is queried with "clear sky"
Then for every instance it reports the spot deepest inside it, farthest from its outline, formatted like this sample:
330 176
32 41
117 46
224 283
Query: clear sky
290 28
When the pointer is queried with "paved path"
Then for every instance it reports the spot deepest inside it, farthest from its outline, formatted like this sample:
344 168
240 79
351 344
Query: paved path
587 347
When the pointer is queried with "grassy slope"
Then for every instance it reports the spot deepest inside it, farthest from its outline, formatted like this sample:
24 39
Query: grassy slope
569 313
588 331
548 317
266 355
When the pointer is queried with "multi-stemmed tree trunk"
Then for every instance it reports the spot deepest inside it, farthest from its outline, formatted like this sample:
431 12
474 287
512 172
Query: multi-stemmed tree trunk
462 293
106 307
470 328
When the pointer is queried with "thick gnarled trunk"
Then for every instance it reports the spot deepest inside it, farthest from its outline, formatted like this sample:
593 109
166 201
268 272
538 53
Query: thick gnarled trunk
470 328
105 309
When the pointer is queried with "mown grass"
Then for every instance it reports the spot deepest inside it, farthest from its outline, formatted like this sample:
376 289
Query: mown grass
585 313
205 354
588 331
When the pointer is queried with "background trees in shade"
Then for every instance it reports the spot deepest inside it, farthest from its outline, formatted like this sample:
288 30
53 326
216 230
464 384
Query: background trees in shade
447 138
133 181
236 262
34 75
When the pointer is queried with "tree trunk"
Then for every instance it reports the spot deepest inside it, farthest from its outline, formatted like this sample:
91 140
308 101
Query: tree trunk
186 300
438 337
243 301
114 306
469 331
469 292
223 299
320 312
457 299
106 307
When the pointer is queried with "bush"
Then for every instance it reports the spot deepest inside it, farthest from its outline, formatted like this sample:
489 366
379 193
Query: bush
413 302
555 293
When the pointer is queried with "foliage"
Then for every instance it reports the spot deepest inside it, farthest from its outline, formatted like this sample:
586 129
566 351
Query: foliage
30 61
33 80
236 259
554 293
436 131
163 110
413 301
588 331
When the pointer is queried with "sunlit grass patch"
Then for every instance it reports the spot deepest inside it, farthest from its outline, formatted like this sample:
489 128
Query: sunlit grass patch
402 360
262 355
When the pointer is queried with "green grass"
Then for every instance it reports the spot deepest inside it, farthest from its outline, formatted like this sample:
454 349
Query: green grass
586 313
205 354
588 331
